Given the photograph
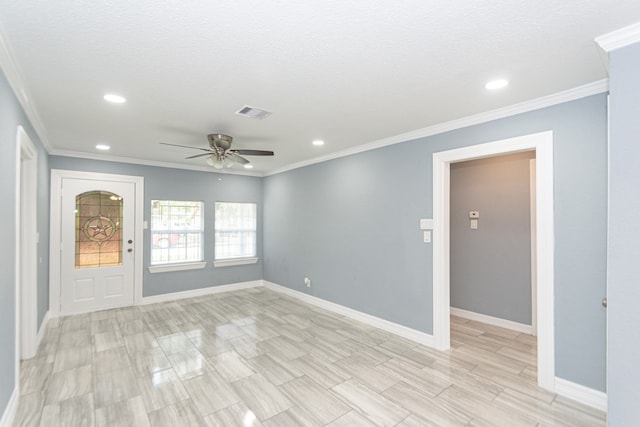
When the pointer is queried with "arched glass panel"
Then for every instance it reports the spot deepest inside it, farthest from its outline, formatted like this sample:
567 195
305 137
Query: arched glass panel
98 229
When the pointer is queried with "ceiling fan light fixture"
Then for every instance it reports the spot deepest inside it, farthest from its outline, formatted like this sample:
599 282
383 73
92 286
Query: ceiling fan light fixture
219 163
216 163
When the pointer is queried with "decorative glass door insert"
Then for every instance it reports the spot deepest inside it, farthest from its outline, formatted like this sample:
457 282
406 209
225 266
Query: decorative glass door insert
98 229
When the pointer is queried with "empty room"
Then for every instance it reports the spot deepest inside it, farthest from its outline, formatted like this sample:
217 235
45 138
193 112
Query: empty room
319 213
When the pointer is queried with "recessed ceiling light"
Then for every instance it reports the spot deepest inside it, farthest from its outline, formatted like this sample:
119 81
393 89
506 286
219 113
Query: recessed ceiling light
318 142
248 166
496 84
116 99
103 147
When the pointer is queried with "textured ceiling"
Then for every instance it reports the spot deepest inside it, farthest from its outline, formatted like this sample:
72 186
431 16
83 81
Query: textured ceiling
348 72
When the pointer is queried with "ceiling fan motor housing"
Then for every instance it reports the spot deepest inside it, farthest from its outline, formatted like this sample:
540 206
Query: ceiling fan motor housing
219 141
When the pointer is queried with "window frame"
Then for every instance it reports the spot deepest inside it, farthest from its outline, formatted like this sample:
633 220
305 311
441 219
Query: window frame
235 261
180 265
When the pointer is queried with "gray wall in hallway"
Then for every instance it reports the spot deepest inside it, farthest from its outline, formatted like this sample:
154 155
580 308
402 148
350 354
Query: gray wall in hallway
352 226
178 184
624 234
491 266
12 116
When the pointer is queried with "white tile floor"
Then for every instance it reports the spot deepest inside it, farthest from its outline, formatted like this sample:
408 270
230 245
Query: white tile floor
258 358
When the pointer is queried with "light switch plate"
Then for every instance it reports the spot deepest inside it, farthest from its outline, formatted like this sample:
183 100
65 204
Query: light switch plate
474 224
426 224
427 236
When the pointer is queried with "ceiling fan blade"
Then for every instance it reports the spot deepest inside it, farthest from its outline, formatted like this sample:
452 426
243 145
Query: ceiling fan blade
254 152
201 155
235 158
185 146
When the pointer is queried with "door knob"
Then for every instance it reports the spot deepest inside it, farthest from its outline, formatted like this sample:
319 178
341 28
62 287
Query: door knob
130 241
129 250
604 302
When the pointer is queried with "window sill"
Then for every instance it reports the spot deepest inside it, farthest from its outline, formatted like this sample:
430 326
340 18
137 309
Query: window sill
234 261
164 268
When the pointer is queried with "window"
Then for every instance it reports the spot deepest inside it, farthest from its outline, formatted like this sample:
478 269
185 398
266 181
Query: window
235 233
98 229
177 230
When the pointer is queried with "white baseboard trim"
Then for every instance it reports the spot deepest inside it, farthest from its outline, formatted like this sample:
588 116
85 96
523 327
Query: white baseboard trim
585 395
199 292
490 320
43 328
394 328
10 411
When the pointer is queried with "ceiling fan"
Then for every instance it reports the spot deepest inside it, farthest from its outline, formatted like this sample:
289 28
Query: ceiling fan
220 153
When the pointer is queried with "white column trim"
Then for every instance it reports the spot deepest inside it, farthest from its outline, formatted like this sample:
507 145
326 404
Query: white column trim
27 279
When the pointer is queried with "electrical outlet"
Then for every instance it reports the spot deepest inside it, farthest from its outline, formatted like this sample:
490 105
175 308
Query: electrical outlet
307 282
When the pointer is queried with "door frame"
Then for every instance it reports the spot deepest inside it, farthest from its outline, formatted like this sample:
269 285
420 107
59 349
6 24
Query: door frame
542 143
26 310
55 270
534 244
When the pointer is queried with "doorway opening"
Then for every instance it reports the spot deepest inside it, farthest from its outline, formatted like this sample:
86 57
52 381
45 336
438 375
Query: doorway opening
492 234
542 144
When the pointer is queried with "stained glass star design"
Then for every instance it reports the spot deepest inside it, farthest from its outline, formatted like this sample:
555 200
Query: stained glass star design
99 228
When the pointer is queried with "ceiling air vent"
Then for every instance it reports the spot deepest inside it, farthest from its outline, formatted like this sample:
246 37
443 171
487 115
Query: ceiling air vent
253 113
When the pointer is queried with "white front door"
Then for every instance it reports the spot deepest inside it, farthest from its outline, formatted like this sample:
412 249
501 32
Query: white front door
97 250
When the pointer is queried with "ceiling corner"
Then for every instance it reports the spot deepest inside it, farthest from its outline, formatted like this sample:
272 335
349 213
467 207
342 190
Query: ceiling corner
9 66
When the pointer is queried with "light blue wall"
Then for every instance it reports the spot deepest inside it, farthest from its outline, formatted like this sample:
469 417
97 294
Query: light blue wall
352 226
12 116
491 266
624 236
178 184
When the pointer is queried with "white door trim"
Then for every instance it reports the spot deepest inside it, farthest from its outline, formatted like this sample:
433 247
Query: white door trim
534 271
26 301
57 175
542 143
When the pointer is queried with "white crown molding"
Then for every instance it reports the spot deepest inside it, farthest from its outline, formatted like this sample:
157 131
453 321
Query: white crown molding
585 395
12 72
377 322
583 91
142 162
619 38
